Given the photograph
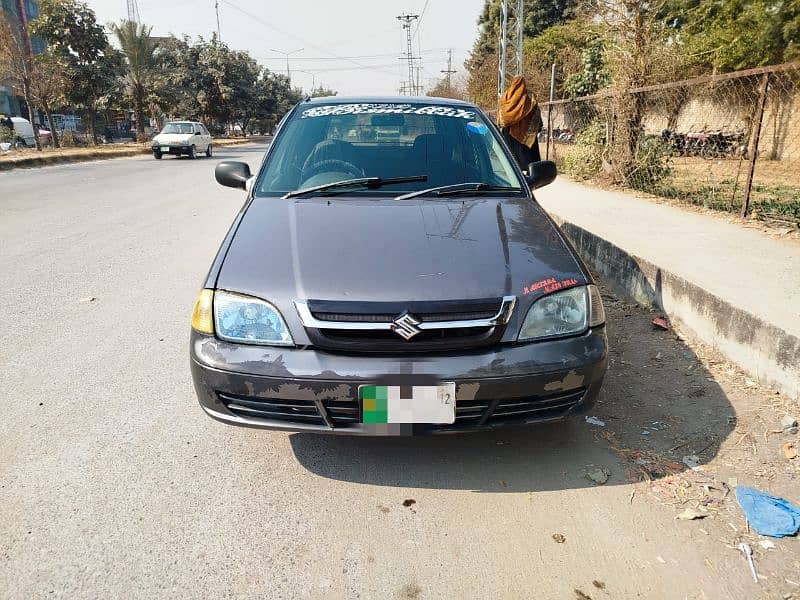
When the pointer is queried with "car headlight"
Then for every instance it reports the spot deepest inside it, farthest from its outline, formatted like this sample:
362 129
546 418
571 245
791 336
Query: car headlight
239 318
568 312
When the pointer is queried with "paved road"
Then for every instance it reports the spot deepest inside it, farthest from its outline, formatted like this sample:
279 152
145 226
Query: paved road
114 484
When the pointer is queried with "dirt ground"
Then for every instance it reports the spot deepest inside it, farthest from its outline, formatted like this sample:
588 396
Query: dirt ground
689 401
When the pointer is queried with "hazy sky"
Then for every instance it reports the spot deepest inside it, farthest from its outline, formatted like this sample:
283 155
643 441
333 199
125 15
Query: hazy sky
352 45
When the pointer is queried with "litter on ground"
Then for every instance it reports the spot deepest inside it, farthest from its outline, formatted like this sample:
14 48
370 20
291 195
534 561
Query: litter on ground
692 461
690 514
766 514
599 475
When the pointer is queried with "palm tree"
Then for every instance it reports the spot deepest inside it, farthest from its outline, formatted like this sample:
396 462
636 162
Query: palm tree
140 51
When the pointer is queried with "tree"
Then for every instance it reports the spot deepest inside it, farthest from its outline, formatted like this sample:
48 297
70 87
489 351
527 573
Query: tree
456 89
206 80
47 88
321 92
539 15
91 66
566 45
16 66
141 61
734 34
636 54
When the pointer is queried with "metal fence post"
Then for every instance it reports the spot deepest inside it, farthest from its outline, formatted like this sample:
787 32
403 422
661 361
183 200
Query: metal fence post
758 117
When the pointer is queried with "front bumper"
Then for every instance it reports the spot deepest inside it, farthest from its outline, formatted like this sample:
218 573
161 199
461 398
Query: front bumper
177 149
295 389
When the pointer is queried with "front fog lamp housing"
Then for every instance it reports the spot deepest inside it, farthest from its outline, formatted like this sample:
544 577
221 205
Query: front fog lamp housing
239 318
564 313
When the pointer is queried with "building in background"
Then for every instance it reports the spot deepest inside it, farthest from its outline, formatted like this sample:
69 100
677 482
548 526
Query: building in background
10 103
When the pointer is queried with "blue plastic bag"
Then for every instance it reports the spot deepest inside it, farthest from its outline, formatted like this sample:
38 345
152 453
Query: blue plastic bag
768 515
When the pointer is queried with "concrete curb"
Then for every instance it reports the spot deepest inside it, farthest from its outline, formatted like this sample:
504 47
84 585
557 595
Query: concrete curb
58 159
765 351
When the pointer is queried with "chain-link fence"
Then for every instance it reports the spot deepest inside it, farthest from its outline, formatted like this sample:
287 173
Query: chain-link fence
729 142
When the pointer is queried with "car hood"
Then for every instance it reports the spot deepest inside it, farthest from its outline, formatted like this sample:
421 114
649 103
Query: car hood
393 250
172 138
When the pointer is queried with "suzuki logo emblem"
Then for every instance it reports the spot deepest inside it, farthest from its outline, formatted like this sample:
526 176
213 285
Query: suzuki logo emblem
406 326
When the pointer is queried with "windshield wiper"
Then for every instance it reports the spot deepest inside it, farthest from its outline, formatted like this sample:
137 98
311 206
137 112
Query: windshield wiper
368 182
473 187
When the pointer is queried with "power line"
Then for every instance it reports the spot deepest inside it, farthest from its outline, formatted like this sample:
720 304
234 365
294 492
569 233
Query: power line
421 15
287 54
359 57
261 21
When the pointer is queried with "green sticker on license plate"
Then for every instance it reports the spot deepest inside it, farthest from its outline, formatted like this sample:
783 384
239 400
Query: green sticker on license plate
408 404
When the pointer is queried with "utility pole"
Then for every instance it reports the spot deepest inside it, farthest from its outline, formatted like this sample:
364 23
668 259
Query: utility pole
313 78
511 34
410 87
287 54
26 80
449 70
133 11
219 31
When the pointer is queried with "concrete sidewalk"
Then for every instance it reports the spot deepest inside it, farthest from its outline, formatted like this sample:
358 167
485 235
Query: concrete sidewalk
735 288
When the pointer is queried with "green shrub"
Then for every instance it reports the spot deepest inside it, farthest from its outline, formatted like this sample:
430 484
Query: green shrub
584 160
6 134
651 165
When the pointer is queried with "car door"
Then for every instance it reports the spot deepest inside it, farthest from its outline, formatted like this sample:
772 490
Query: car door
198 139
206 135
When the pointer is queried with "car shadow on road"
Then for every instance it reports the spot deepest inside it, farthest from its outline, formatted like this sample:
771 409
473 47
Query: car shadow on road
658 405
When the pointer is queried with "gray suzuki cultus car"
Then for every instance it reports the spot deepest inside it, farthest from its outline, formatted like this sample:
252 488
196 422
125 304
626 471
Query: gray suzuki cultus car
390 273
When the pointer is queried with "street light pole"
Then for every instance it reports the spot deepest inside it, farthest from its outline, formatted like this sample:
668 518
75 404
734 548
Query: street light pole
287 54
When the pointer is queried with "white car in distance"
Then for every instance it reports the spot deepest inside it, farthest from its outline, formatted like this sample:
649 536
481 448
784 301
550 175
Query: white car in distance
182 137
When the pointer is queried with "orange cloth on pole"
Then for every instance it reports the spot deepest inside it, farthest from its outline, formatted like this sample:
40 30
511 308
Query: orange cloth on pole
515 106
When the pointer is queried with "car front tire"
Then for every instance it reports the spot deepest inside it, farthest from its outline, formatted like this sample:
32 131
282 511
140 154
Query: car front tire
192 152
209 151
157 154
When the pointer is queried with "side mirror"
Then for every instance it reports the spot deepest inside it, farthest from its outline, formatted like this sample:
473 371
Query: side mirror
232 174
541 173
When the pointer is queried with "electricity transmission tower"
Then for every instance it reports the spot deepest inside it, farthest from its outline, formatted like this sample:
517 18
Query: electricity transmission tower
449 70
409 88
511 28
133 11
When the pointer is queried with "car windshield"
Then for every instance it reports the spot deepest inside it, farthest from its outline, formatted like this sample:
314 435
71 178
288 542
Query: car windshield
178 128
326 143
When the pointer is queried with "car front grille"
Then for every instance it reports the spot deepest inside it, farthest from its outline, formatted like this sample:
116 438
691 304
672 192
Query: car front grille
341 414
364 327
479 413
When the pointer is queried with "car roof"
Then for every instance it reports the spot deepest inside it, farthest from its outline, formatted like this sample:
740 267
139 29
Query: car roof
387 100
187 122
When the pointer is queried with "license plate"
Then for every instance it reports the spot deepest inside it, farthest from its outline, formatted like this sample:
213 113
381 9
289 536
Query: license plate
408 403
165 148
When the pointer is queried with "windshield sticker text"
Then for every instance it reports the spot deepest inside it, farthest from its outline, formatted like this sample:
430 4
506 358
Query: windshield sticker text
383 109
